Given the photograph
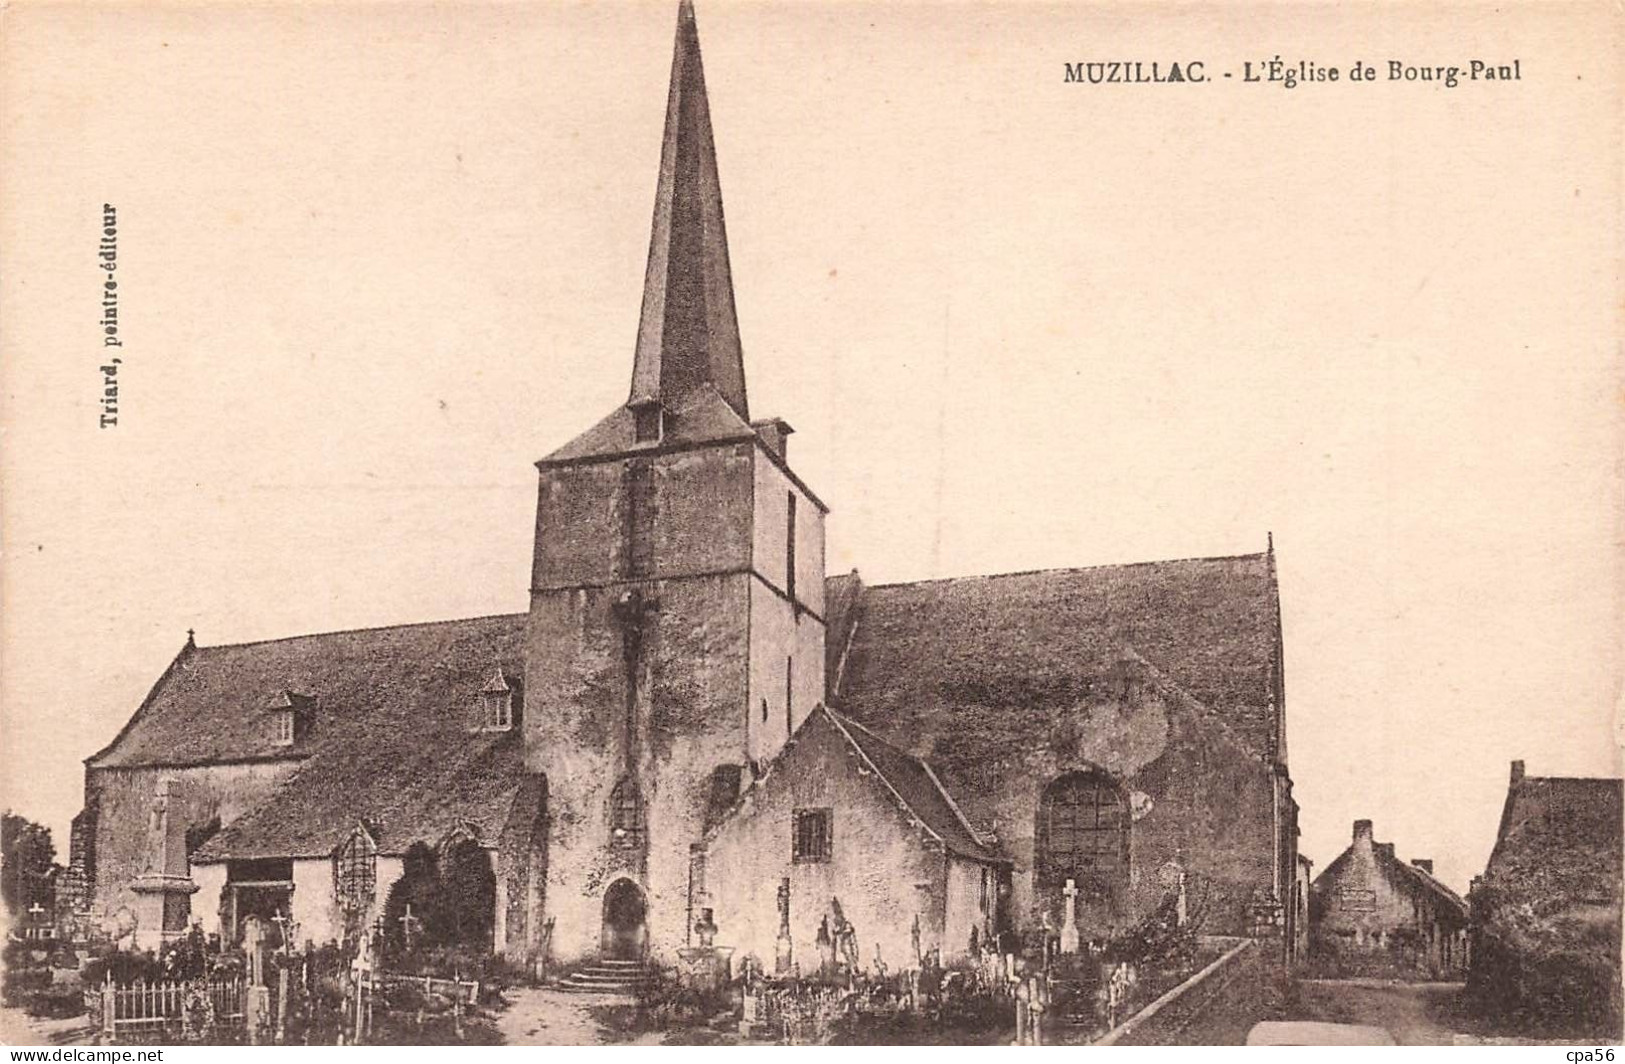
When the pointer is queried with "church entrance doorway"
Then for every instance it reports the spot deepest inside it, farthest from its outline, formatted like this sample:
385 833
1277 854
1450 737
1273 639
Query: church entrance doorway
625 915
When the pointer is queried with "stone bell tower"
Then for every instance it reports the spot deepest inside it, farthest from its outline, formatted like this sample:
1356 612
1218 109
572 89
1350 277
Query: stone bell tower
677 592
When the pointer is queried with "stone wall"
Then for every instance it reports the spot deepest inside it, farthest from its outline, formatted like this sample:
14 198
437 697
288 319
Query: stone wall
689 720
1368 918
1202 805
1216 1006
660 596
885 869
122 799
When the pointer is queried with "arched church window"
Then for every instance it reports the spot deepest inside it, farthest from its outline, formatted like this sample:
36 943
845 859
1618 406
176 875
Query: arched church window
626 816
1083 833
355 871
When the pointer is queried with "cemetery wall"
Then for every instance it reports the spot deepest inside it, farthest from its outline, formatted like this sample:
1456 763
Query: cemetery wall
1217 1006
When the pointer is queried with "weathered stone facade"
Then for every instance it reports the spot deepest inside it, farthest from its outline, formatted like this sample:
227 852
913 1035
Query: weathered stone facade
203 797
1371 913
891 873
660 670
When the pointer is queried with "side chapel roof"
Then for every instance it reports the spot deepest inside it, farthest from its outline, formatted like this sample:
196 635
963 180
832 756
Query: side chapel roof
392 736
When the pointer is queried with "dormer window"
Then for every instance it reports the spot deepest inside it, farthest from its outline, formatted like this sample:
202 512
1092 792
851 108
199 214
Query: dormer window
497 702
290 717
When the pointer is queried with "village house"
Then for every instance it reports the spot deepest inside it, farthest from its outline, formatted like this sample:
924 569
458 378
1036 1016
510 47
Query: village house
693 725
1547 910
1372 913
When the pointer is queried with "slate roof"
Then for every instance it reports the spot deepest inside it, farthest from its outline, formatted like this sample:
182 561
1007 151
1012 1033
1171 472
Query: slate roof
392 734
1559 844
957 670
918 787
841 597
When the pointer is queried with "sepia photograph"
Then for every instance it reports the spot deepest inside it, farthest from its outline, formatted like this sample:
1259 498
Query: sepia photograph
1115 540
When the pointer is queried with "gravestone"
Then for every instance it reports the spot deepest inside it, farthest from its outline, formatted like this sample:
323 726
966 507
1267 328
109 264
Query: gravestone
706 967
826 948
256 995
783 950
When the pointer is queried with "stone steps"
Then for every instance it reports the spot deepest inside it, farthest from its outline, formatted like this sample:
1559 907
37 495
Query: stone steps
609 977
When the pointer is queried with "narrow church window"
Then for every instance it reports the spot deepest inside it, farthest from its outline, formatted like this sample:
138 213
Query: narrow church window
355 872
1082 833
626 816
812 835
790 547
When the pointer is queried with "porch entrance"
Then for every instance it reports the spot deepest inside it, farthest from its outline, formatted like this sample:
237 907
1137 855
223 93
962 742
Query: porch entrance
625 921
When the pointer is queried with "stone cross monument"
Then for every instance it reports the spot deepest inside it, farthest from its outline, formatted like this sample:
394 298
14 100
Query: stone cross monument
163 892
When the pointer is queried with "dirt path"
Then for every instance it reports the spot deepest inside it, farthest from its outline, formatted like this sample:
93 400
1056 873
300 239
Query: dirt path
17 1028
1416 1014
541 1017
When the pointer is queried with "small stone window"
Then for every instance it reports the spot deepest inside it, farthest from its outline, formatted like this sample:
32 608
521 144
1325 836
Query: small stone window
812 839
626 816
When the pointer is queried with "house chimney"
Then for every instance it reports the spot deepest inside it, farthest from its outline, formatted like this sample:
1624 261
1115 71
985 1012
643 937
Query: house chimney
1517 773
1424 863
775 434
1387 848
1362 830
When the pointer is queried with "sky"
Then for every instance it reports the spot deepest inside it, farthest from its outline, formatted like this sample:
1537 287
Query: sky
376 259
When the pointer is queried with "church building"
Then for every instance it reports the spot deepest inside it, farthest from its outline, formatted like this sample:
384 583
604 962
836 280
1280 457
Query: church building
694 724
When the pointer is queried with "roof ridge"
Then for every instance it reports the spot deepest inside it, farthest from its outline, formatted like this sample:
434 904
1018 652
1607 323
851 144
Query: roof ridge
364 628
187 650
841 724
1066 569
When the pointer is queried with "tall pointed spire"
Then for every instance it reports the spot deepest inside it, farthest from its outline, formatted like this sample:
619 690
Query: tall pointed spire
688 335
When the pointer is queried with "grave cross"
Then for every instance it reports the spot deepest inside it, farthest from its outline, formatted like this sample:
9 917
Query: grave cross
284 923
35 910
409 925
1069 918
